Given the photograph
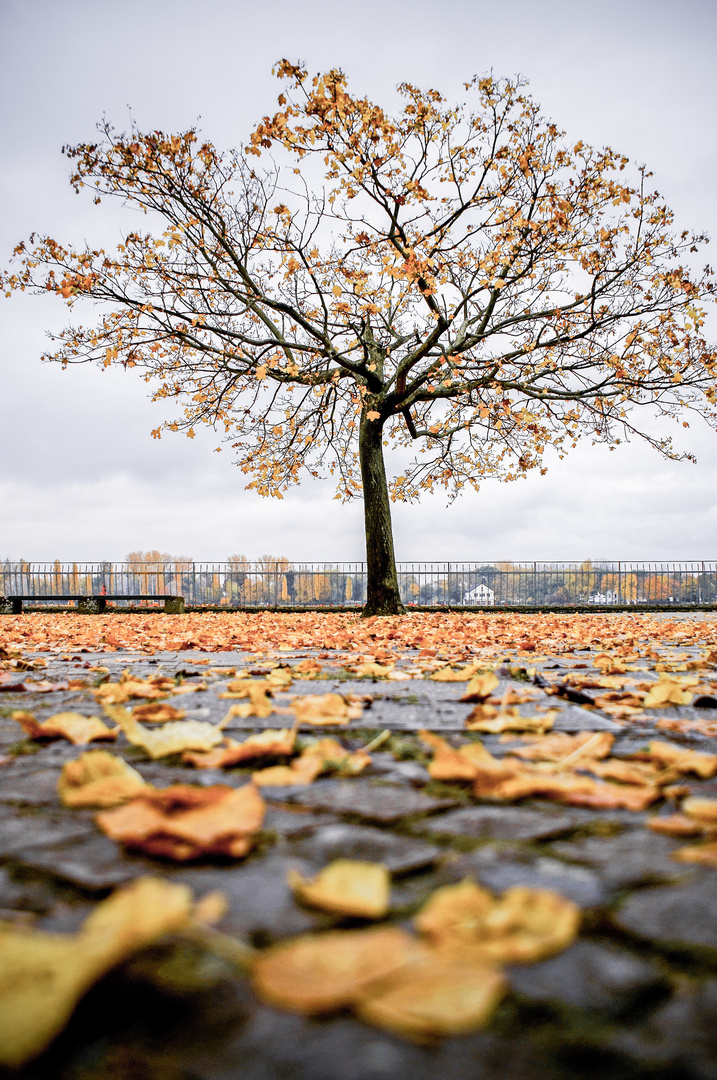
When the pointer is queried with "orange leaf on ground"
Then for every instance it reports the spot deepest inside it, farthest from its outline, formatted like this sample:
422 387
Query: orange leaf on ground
346 887
706 854
702 810
98 778
320 973
159 712
560 747
676 825
521 927
679 760
465 763
324 710
271 743
325 755
259 694
184 822
509 720
74 727
434 998
569 789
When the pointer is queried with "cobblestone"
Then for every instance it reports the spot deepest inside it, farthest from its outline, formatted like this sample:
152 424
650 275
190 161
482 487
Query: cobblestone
634 998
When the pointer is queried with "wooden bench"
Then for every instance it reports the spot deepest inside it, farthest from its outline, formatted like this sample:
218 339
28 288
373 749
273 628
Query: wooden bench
91 605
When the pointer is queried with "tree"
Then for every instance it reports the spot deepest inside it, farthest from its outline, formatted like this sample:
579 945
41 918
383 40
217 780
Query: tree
460 279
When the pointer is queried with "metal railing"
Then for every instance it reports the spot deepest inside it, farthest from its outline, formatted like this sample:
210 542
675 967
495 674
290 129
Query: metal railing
279 583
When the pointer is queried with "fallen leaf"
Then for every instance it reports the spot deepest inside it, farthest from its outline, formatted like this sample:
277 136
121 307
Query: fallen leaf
705 854
623 771
670 692
320 973
324 710
435 998
346 887
481 686
521 927
277 742
570 789
509 720
464 763
184 822
608 664
676 825
303 770
374 671
98 778
259 694
560 747
325 755
308 668
74 727
679 760
171 738
118 693
159 712
45 975
701 810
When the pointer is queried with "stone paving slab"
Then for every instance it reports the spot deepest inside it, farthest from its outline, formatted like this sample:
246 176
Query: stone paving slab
634 997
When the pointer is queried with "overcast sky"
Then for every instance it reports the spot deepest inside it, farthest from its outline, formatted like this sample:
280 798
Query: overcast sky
81 477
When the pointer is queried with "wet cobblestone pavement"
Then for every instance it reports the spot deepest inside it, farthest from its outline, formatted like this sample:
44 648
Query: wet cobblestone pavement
635 996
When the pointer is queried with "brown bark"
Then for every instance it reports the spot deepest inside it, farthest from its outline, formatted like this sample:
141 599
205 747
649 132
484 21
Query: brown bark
382 595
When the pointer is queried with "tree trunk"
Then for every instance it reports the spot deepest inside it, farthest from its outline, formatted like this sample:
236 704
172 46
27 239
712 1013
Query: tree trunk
382 595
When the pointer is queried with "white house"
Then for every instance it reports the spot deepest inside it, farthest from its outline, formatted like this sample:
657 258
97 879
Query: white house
481 596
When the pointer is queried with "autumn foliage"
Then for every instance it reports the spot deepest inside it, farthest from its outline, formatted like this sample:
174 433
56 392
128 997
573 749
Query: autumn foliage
460 279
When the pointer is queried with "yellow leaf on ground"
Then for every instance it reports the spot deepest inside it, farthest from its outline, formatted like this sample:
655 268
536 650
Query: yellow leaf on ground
45 975
481 686
320 973
450 674
184 822
346 886
434 998
521 927
324 710
669 691
510 720
73 726
98 778
171 738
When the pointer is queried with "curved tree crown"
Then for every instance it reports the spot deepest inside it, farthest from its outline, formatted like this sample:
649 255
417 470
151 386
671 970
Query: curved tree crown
460 276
